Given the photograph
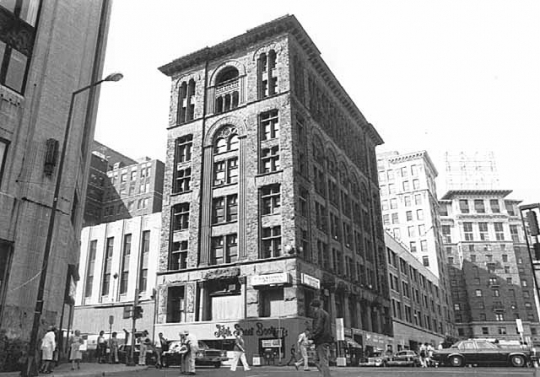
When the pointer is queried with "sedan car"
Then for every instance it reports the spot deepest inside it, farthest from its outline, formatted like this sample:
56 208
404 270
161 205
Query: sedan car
205 355
483 352
405 358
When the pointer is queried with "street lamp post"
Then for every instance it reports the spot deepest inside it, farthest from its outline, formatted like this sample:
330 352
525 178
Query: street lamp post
31 367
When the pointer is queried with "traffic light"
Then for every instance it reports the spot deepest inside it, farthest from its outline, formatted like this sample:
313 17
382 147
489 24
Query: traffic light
533 223
127 312
138 312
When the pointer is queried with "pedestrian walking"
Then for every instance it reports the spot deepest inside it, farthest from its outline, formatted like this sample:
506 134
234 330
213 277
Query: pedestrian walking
113 347
321 336
303 345
429 351
101 349
239 351
163 347
143 347
75 353
193 347
48 345
423 355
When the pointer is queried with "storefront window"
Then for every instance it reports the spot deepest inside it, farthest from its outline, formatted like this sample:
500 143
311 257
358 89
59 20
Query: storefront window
271 302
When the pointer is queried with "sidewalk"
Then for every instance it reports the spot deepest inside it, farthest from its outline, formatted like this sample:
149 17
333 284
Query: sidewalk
87 370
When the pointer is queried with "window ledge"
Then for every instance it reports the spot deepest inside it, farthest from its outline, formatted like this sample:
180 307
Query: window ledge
269 173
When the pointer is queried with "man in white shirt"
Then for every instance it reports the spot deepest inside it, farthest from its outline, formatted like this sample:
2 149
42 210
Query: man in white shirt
303 345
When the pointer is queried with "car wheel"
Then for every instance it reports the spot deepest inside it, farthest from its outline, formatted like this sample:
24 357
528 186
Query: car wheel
217 365
517 361
456 361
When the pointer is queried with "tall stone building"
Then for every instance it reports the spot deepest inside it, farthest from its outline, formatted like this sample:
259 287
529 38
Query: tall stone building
411 214
48 50
271 196
490 269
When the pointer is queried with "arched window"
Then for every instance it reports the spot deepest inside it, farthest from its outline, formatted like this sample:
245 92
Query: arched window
331 165
233 142
220 145
318 153
227 90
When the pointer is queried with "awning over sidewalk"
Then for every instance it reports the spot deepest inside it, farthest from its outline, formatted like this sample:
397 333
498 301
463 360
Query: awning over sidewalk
352 343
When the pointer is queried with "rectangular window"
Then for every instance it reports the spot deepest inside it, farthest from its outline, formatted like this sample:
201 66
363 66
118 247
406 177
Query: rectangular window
464 206
418 199
270 159
499 231
126 253
226 172
182 180
416 184
179 252
510 208
224 249
425 260
3 157
269 125
180 216
479 206
304 202
393 203
184 146
468 231
514 232
270 199
483 228
272 302
494 204
407 200
406 186
176 304
145 252
107 262
225 209
90 268
412 246
14 66
271 242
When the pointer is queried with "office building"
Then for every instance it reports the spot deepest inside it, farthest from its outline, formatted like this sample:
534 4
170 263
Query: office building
271 197
490 270
411 214
48 50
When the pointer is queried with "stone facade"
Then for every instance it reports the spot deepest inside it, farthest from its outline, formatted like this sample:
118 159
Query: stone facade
281 205
67 54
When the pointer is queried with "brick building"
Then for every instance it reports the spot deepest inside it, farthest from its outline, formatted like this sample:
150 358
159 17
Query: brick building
270 197
490 270
48 49
416 296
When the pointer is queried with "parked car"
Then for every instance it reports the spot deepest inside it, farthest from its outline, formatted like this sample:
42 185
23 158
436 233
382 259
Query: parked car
124 352
405 358
205 355
483 352
376 359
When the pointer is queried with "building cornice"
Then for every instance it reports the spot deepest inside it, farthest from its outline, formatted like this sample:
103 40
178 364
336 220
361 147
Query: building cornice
414 156
284 25
488 192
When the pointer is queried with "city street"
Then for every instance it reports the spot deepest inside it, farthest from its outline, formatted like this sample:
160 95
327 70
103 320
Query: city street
352 372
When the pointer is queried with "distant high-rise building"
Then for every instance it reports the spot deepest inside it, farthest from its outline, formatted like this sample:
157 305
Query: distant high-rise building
471 171
410 213
271 197
48 50
491 276
102 160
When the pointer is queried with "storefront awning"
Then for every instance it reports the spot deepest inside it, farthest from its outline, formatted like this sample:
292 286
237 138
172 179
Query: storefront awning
352 343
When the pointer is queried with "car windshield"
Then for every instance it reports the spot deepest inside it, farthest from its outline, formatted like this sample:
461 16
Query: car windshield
203 345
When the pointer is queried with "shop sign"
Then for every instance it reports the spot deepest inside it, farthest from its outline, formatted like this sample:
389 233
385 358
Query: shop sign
260 329
268 343
310 281
271 279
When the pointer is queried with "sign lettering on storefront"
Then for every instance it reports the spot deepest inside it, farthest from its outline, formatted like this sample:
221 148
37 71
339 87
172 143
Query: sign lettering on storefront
310 281
271 279
224 331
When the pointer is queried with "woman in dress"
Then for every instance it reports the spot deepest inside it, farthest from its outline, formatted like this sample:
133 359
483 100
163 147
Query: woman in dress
48 345
75 353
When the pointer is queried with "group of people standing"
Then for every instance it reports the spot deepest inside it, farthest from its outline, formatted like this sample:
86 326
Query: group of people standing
425 352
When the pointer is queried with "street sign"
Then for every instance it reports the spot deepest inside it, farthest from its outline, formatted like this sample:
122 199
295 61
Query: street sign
340 329
111 319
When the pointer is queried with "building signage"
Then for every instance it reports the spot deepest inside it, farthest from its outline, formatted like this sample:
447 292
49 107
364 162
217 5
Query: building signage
271 279
310 281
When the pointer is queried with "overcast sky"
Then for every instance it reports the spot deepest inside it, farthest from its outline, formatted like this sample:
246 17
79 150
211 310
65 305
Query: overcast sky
429 75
